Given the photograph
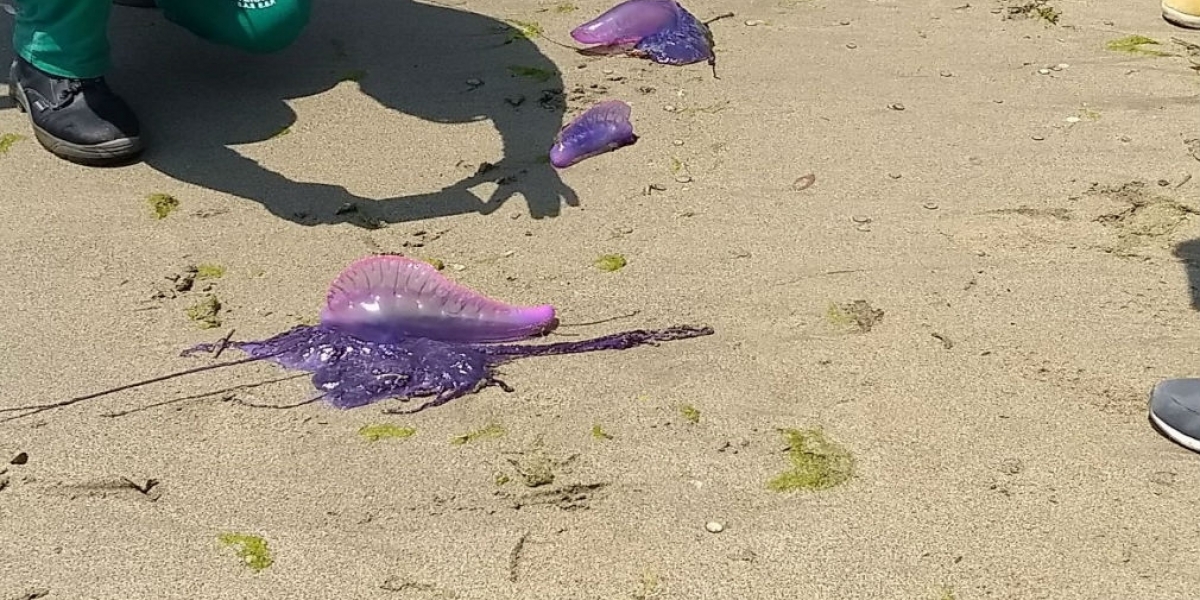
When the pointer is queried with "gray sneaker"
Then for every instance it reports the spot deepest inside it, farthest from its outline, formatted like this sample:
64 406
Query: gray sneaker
1175 411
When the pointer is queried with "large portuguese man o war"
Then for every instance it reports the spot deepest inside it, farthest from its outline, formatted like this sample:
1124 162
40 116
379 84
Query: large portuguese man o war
393 327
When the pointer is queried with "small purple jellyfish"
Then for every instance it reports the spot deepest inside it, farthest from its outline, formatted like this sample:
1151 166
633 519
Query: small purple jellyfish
395 328
603 128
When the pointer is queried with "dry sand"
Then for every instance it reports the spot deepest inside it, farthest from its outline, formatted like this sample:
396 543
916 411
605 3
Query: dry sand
1032 293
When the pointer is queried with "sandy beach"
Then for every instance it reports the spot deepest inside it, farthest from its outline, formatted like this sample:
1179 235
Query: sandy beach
950 245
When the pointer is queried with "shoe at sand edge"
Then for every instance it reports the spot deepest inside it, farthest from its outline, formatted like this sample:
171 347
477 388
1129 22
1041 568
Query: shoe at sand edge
1184 13
81 120
1175 411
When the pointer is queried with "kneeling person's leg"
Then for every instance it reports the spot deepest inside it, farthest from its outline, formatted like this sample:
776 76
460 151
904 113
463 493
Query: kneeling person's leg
258 26
58 79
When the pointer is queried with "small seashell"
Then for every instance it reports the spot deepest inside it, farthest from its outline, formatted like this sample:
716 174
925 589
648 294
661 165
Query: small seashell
1044 71
861 219
930 205
896 106
754 22
805 182
714 526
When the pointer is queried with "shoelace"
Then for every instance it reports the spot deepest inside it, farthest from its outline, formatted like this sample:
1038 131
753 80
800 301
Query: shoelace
75 87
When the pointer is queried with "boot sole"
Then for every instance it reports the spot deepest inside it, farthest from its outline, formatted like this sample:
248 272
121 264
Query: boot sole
106 153
1177 17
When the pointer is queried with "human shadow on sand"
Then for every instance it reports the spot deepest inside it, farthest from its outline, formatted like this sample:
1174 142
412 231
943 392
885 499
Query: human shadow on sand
197 100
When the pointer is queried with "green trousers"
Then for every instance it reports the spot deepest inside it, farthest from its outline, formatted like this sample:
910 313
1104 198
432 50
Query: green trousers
69 38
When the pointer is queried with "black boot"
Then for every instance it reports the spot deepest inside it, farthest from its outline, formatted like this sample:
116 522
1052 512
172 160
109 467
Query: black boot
77 119
137 3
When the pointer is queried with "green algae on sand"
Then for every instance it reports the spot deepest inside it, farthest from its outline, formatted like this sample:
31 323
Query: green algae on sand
250 548
7 140
818 463
491 431
385 431
436 263
1133 44
599 433
209 271
690 413
524 30
534 73
206 313
611 262
162 205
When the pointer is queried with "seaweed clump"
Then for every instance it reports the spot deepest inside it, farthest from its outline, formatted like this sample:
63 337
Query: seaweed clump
206 313
252 549
162 205
611 262
384 431
7 140
494 430
818 463
1134 44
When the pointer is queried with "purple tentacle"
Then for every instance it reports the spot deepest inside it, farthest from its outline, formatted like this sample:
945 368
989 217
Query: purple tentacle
616 341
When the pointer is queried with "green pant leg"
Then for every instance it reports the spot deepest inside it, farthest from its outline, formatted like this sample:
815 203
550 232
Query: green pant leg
258 26
67 38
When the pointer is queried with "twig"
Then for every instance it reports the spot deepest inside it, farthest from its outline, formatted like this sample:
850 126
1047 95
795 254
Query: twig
602 321
234 398
40 408
514 557
727 15
227 390
224 343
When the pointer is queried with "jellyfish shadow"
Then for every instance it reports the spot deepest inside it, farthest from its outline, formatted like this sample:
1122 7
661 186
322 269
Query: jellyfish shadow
198 100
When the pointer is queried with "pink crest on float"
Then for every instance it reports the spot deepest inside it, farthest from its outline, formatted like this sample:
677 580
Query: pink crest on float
388 297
